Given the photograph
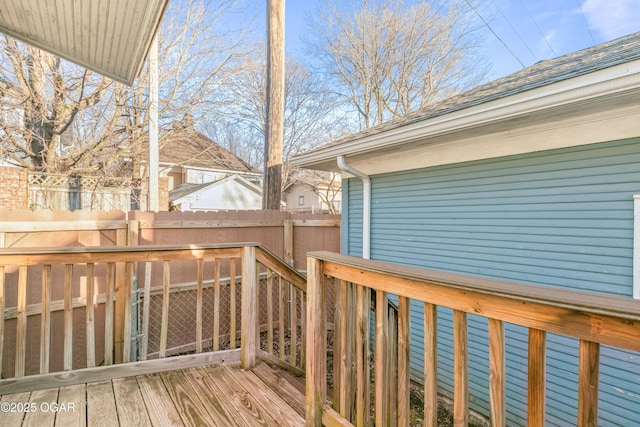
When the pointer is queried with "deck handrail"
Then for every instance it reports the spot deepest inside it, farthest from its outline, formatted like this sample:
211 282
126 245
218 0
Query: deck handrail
119 268
592 318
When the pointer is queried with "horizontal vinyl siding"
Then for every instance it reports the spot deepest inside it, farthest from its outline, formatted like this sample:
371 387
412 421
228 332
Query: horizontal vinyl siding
559 218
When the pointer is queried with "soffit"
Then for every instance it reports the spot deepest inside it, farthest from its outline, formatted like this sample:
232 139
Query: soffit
111 37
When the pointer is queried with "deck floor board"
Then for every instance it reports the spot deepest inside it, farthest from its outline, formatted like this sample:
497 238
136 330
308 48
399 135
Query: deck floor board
214 395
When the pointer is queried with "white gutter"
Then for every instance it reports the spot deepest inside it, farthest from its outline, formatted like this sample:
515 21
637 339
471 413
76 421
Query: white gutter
366 205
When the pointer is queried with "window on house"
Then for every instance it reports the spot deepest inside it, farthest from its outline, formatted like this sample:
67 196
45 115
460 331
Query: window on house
300 200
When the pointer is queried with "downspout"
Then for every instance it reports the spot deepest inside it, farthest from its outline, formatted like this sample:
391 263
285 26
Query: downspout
366 205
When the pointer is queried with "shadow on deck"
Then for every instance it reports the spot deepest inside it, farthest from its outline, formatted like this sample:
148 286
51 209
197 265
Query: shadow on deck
207 395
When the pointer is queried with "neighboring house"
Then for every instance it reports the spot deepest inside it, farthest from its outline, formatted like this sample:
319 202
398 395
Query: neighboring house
313 192
189 157
191 163
231 193
530 178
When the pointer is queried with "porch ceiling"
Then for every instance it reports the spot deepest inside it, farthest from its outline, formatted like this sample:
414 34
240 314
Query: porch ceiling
111 37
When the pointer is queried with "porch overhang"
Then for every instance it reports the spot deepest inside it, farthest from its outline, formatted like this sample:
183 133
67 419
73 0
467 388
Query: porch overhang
111 37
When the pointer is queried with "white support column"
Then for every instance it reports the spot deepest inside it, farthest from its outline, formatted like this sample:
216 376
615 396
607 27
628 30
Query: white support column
154 156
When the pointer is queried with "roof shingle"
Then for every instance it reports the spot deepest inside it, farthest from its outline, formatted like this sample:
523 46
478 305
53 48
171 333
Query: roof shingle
543 73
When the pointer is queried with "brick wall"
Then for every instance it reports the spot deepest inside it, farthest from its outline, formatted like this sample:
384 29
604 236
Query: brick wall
13 188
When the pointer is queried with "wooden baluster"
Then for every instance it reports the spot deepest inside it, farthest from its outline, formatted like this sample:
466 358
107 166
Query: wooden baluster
269 311
199 293
21 328
303 329
338 353
588 371
164 322
316 384
293 348
68 317
128 309
460 369
146 302
281 317
392 365
232 303
109 314
497 373
430 365
90 319
216 304
45 320
537 377
381 358
345 334
404 329
362 356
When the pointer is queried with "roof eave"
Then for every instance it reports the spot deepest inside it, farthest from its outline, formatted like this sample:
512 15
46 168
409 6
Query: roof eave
601 84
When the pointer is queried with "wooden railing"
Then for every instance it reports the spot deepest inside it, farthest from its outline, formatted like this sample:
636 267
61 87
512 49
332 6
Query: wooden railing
592 318
94 286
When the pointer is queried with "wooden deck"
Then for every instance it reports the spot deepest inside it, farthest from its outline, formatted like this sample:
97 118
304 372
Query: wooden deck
214 395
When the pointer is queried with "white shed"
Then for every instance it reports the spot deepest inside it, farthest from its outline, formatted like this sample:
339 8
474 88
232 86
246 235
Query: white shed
231 193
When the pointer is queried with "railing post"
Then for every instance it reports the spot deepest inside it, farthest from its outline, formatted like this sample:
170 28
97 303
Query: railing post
121 290
249 339
288 242
316 372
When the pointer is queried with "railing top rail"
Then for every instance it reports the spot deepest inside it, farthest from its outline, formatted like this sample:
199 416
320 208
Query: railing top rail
71 225
32 256
582 301
272 261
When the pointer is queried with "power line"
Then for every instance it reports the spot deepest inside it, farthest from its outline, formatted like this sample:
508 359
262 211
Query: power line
515 31
586 24
494 33
539 30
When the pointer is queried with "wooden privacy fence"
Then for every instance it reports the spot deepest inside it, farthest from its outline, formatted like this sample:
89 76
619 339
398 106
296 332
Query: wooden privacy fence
264 298
591 318
290 236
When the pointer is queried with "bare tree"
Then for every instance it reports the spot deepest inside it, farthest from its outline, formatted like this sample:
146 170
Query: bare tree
104 124
310 117
199 55
392 57
43 95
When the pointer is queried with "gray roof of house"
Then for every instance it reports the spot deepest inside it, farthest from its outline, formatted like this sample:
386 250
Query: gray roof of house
543 73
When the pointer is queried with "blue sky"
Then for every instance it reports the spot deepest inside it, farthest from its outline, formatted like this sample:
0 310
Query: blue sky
532 29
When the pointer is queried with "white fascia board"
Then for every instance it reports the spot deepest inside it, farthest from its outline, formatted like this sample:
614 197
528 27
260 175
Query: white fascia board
600 84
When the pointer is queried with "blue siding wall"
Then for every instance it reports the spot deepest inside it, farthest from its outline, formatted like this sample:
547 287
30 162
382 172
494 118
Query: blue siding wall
557 218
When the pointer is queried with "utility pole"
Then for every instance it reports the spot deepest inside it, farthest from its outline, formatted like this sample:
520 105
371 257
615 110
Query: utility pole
272 182
154 156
